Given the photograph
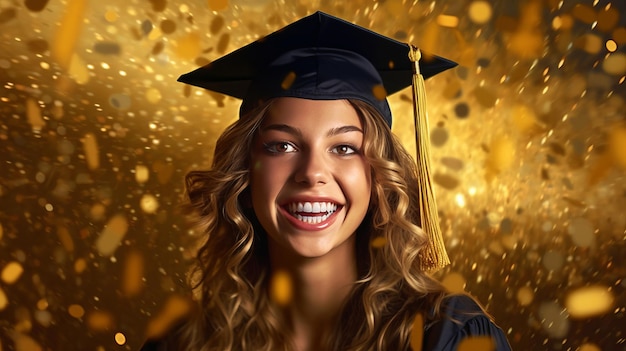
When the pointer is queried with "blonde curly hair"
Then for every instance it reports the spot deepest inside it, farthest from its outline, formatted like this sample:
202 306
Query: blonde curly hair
230 276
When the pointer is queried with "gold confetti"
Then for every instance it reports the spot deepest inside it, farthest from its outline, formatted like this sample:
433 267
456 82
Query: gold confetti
525 296
149 203
589 301
218 5
281 289
90 147
617 145
11 272
473 343
65 238
417 333
99 320
120 338
175 308
480 12
502 154
76 311
379 242
589 347
189 46
78 70
379 92
80 265
68 32
454 282
448 21
33 113
615 64
288 81
132 281
4 301
23 342
153 95
142 174
112 235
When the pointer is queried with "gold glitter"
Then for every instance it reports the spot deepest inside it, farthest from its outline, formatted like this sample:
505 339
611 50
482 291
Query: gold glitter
480 12
112 235
174 309
90 147
290 78
120 338
281 289
611 45
448 21
76 311
68 32
454 282
589 301
417 333
483 343
378 242
218 5
11 272
379 92
525 296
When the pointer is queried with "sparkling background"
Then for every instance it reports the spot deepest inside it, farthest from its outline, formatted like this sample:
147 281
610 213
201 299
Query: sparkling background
529 140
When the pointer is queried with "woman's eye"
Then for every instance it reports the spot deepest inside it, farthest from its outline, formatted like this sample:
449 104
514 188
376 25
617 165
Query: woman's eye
280 147
344 150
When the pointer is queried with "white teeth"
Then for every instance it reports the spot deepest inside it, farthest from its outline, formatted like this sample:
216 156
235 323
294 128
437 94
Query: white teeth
320 211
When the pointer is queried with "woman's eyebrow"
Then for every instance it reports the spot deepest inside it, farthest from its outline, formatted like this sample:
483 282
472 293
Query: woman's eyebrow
296 132
283 128
344 129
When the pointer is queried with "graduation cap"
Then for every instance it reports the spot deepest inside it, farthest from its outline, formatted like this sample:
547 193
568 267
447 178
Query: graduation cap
322 57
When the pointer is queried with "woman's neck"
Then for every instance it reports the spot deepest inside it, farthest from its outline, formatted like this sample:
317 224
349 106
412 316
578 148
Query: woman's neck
320 288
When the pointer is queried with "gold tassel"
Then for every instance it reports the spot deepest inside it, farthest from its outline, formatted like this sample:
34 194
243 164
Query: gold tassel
433 256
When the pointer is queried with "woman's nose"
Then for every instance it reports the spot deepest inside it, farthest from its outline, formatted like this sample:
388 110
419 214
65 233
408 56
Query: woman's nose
313 168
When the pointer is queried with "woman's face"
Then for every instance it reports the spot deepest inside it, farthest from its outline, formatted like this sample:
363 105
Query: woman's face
310 182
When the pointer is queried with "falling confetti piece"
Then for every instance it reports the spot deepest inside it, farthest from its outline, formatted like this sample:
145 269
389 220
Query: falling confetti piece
132 281
379 92
448 21
454 282
480 12
281 289
524 118
12 272
142 174
615 64
218 5
188 47
153 95
99 320
554 319
502 154
92 154
473 343
78 70
288 81
617 145
175 308
112 235
589 347
417 333
525 296
23 342
76 311
4 301
378 242
589 302
581 230
120 338
65 238
80 265
149 203
216 25
68 32
33 113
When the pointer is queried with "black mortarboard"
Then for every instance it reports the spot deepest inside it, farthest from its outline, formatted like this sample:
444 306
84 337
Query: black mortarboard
318 57
321 57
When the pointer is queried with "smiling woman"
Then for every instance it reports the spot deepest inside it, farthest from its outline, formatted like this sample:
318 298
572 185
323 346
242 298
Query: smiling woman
312 210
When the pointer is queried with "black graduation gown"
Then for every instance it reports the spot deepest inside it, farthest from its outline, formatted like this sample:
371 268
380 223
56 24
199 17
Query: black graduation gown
463 319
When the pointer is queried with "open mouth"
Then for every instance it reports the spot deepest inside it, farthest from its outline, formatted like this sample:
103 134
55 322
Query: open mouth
312 212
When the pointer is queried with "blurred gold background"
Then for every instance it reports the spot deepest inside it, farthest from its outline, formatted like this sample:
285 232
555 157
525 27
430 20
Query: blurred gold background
96 135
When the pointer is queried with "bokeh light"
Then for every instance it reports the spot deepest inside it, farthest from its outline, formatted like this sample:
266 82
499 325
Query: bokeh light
528 132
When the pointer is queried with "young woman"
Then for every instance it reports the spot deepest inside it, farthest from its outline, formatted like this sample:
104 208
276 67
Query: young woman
311 210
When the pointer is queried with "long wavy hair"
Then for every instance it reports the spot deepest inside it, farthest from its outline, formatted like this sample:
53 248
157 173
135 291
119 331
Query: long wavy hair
230 277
